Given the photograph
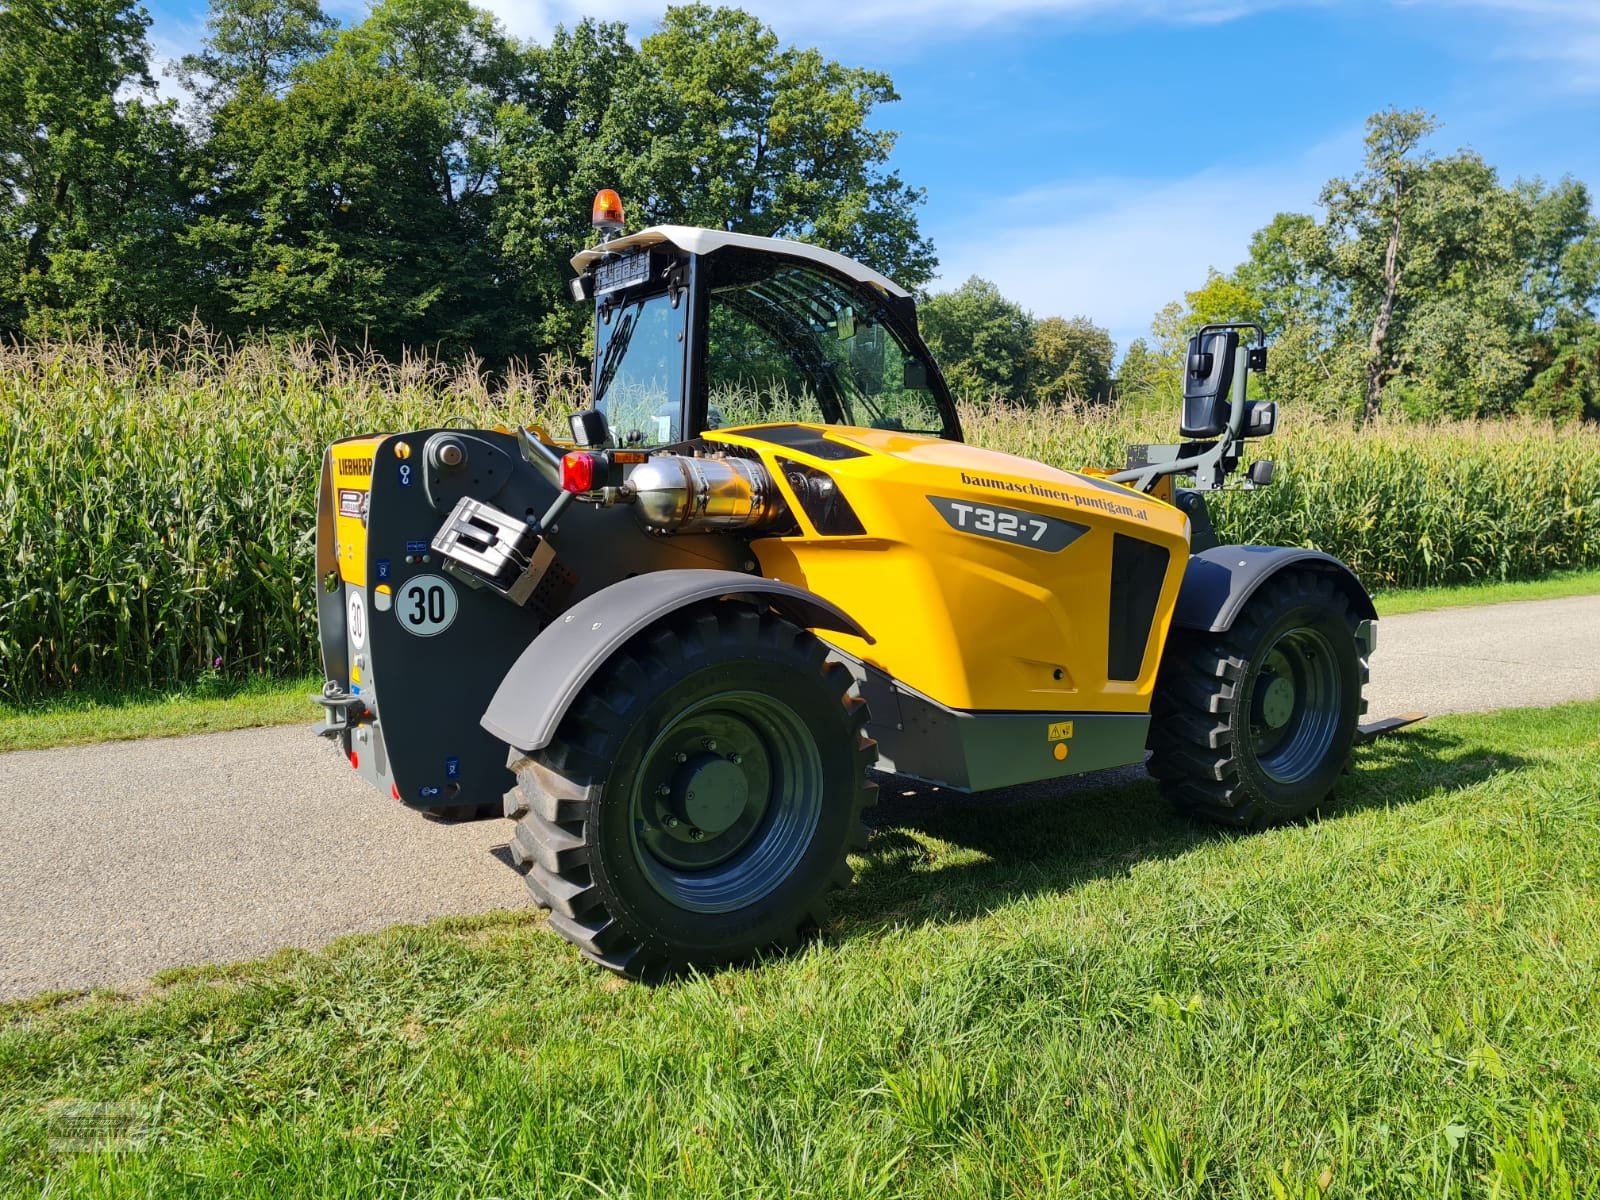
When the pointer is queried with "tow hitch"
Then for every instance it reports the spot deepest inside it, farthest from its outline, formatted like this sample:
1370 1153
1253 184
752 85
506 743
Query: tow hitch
343 711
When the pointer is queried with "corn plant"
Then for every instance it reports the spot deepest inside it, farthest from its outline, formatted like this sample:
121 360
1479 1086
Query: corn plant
157 502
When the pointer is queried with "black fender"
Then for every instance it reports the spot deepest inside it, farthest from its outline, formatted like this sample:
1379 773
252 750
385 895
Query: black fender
1219 582
542 684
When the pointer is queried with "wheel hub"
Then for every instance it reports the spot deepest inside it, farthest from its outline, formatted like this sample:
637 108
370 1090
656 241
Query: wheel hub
1295 704
705 790
1277 702
710 793
725 800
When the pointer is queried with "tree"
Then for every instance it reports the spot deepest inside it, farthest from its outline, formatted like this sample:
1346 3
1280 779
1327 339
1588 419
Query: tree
360 202
979 338
332 220
1569 388
774 142
1366 217
1069 361
709 122
1222 299
91 170
255 45
1430 286
1281 280
1139 373
588 119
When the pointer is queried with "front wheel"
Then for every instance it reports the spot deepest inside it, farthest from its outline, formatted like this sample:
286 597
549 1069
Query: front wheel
1254 725
700 797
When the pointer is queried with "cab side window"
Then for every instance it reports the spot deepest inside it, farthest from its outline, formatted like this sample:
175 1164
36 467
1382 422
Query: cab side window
788 342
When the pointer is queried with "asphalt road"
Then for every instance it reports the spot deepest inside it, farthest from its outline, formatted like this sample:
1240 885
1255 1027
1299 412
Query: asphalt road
121 859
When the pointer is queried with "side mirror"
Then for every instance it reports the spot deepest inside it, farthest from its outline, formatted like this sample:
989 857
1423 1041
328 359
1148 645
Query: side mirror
590 428
1260 418
1207 380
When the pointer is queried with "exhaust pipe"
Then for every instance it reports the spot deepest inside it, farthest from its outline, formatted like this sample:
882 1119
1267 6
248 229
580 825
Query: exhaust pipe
673 493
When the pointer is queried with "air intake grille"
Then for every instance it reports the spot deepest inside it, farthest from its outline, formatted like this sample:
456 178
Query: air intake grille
1138 570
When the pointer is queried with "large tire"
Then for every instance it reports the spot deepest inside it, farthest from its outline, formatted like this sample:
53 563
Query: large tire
700 797
1253 726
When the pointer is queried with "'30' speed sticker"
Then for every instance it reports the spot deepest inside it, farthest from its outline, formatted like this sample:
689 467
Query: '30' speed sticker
425 605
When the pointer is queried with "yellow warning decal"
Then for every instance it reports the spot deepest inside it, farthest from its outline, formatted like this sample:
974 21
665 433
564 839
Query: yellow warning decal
1060 731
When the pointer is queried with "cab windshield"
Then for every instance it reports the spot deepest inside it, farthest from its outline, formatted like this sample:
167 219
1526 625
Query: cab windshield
785 341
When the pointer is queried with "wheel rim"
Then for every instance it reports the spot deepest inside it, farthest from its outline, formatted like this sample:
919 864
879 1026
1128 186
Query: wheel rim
1295 705
726 801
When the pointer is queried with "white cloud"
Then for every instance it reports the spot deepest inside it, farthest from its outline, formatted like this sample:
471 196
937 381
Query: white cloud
898 20
1564 32
1116 250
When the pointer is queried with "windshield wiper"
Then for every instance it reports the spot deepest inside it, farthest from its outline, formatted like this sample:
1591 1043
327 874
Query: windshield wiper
611 361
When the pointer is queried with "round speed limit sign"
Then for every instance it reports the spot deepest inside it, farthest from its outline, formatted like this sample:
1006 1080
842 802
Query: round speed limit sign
426 604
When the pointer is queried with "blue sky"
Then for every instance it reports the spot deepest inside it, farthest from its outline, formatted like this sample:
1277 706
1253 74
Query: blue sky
1096 156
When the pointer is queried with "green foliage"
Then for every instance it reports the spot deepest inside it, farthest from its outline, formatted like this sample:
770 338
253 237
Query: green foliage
1078 996
1069 361
335 218
773 141
1429 288
989 347
1220 300
255 45
1569 387
979 338
585 122
1141 373
358 204
158 504
91 171
419 179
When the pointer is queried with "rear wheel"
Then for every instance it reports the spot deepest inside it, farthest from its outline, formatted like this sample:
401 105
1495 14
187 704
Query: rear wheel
700 797
1254 725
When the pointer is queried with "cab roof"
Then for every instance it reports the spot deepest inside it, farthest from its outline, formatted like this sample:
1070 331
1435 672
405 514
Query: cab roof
693 240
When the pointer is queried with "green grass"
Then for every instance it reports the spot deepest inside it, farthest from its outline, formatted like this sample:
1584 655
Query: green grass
1551 587
105 714
1079 997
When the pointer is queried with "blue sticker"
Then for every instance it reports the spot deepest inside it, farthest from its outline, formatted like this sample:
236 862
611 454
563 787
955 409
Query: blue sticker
383 569
427 792
405 474
452 768
416 547
355 689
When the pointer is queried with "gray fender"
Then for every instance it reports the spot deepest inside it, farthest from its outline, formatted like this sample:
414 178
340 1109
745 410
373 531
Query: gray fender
546 679
1219 581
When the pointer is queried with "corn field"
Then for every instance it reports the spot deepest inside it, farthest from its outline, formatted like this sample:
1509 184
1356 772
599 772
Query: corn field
157 504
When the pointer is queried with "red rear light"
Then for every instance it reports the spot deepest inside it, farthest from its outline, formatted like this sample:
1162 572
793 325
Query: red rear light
355 759
579 470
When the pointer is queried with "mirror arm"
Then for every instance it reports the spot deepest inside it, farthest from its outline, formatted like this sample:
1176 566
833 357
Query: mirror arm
1208 463
1241 380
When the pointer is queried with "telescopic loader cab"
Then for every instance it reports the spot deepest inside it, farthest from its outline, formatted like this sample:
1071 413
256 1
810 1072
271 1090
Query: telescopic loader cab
764 564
